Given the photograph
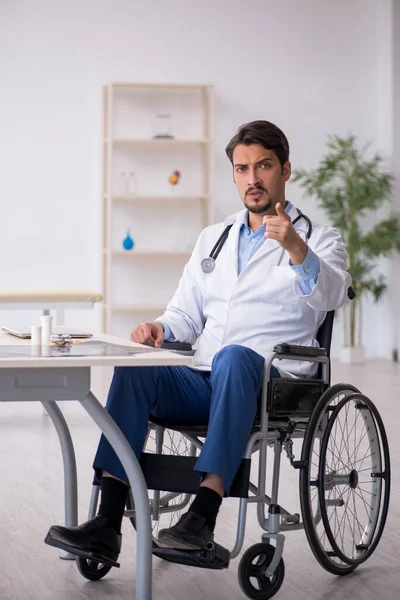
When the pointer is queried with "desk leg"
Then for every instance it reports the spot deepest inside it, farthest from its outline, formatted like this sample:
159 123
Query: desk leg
139 490
68 456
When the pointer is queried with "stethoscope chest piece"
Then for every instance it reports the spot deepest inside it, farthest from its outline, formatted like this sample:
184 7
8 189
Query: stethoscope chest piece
208 264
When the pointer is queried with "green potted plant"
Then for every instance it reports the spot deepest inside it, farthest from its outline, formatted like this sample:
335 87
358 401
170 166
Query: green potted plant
351 188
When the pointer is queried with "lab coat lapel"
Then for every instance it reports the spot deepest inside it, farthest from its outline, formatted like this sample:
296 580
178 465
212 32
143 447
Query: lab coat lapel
233 249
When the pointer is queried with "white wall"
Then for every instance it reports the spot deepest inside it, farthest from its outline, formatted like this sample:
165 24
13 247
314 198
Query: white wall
311 66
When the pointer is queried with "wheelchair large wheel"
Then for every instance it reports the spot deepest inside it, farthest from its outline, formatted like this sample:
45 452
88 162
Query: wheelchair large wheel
345 480
309 480
166 507
354 479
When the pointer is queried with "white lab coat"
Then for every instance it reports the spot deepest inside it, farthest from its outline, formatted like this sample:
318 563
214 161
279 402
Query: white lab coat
264 305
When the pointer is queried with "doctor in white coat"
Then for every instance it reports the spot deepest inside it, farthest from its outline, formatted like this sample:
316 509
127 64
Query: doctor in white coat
273 281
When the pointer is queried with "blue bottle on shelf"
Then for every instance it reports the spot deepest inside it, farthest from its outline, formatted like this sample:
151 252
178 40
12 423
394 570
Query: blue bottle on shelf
128 242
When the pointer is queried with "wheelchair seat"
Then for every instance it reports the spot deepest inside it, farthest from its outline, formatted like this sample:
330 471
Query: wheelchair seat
287 396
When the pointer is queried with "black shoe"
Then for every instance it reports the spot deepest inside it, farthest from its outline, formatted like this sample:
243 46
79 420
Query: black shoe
190 533
94 540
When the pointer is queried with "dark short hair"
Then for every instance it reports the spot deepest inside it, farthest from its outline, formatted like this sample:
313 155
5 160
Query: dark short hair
265 134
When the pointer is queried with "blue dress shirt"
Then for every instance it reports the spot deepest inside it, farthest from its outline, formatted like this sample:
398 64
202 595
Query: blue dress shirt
250 241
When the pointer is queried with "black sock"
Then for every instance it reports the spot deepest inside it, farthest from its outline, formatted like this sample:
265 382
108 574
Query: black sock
113 499
206 504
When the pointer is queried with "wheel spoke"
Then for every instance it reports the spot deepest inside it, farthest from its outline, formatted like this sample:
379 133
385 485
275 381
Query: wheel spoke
340 527
351 528
360 525
338 455
364 501
366 491
344 439
355 519
363 458
355 450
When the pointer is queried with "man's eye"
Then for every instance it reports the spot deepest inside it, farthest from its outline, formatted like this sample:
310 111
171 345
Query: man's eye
265 165
239 169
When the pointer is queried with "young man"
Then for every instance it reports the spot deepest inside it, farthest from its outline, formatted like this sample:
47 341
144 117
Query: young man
273 281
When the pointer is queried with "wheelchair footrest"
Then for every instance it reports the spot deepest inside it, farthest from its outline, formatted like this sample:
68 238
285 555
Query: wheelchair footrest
216 557
81 552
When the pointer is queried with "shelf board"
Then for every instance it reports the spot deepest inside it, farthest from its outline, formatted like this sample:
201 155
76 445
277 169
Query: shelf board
172 86
155 142
160 198
150 253
136 309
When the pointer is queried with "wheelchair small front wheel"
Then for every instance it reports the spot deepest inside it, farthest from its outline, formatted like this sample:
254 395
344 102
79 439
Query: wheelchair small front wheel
92 570
254 579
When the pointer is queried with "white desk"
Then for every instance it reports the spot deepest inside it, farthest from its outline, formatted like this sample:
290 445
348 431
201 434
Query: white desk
27 375
47 300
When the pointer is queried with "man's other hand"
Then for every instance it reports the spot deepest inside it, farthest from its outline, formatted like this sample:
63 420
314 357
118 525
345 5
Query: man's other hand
150 334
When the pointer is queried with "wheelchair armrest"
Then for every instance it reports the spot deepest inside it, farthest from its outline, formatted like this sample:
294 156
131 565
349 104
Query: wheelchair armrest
181 347
303 350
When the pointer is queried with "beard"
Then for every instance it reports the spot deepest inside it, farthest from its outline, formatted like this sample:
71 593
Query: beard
261 206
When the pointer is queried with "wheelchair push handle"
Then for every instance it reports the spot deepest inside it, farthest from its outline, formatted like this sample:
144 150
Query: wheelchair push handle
292 349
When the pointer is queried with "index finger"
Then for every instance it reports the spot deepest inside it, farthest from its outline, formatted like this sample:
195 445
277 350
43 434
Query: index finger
280 211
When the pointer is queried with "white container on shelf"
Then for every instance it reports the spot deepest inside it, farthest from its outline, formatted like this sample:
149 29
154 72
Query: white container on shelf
131 184
47 328
163 127
36 335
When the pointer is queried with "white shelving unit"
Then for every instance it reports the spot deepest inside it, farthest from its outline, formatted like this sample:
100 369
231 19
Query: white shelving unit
164 222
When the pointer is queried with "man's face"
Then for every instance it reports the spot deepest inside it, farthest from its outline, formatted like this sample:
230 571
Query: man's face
259 178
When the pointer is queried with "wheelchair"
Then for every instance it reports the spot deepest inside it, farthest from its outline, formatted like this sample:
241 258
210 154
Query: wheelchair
344 475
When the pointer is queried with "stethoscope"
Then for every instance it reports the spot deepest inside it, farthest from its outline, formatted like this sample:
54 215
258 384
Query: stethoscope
208 264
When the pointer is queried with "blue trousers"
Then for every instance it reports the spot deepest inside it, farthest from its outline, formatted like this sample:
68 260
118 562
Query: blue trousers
226 399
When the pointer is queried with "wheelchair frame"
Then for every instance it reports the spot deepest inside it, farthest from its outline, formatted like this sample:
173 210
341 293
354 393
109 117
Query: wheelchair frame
277 520
278 433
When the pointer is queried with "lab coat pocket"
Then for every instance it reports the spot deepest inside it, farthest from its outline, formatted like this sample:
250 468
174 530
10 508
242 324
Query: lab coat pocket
282 285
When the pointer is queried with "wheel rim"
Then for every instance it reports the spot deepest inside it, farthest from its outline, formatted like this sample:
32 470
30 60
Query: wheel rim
95 567
166 507
354 477
309 491
254 578
91 569
258 571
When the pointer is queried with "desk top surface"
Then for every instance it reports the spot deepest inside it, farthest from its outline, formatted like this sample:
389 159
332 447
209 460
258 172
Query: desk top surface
61 296
102 350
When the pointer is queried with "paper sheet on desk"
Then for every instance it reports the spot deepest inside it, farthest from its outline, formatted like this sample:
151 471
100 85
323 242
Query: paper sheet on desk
90 348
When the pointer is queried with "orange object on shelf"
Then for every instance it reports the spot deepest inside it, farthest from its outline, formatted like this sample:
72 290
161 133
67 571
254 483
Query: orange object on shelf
174 177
